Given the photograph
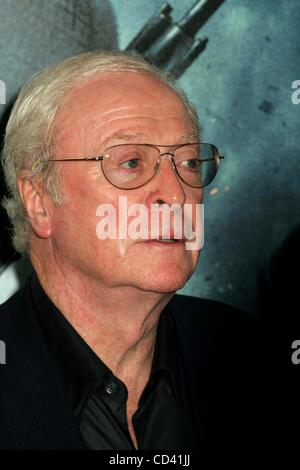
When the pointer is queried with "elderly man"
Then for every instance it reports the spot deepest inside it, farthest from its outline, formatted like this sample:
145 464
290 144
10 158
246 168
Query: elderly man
100 353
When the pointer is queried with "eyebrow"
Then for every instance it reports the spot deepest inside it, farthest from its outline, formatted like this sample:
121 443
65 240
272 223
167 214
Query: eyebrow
120 137
187 137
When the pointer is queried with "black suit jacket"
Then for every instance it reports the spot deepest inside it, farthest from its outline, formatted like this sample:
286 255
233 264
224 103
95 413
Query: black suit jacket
219 349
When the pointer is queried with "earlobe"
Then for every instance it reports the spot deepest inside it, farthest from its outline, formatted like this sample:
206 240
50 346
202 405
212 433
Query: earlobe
35 200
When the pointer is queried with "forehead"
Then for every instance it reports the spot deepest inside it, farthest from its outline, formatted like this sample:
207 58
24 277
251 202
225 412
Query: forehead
120 101
110 91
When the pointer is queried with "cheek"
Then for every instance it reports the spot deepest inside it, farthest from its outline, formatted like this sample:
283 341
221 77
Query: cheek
74 223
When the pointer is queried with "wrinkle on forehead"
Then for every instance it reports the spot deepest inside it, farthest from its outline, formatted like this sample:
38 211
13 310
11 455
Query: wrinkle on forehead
107 96
134 116
125 108
91 118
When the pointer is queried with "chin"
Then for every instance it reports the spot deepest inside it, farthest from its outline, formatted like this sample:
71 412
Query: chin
166 284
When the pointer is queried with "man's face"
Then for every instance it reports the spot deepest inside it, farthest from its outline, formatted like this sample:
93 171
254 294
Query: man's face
111 109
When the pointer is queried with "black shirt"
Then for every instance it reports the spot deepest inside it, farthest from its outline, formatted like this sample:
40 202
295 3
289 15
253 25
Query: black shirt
163 419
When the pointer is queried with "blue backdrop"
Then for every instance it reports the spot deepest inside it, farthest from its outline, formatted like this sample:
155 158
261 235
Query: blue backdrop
242 87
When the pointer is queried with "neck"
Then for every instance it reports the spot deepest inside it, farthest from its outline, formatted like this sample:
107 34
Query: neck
118 323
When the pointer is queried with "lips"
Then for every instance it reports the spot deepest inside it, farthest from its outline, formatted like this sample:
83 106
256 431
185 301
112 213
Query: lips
165 239
165 242
168 237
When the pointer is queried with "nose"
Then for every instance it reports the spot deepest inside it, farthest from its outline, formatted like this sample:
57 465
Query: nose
167 186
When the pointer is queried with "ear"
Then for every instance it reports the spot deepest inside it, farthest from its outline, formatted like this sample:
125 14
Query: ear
35 200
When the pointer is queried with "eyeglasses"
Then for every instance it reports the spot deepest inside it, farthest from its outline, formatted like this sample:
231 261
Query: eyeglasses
130 166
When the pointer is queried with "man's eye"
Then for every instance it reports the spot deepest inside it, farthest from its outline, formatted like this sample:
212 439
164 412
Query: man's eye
192 164
131 163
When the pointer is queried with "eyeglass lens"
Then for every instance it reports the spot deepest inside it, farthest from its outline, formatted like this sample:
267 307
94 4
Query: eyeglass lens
130 166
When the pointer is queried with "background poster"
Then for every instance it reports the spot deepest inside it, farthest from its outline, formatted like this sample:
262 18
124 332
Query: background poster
245 85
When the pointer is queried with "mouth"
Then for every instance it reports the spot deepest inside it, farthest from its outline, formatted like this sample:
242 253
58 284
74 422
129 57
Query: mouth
166 241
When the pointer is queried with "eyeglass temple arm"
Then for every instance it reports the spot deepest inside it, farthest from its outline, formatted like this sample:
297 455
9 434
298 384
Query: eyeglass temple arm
101 157
75 159
218 157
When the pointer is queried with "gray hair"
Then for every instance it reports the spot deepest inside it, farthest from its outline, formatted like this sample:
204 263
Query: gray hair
29 135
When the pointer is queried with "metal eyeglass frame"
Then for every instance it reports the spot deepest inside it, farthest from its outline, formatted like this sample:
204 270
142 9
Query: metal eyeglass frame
217 158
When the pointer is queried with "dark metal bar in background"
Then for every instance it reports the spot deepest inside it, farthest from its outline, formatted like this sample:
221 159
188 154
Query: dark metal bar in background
155 27
173 45
198 15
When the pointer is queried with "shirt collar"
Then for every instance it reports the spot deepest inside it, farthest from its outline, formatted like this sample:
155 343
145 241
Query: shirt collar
80 368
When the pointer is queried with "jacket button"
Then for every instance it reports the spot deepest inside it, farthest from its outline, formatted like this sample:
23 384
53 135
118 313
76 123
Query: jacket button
111 388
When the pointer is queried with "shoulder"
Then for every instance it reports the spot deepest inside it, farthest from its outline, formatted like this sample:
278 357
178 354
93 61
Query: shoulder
12 311
20 333
214 331
193 313
222 359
